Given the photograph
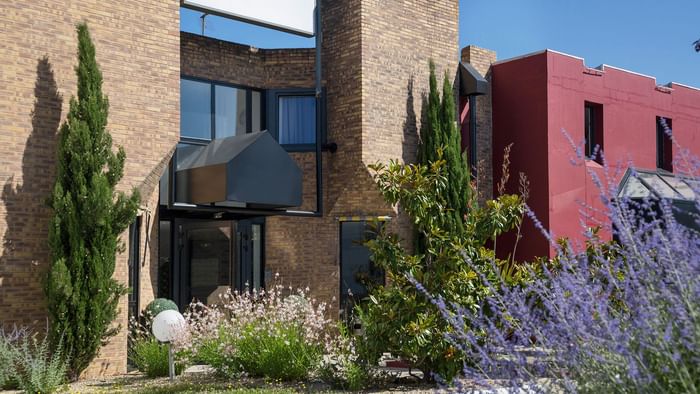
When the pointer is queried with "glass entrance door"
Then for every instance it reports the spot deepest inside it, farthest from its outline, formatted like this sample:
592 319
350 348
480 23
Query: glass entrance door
214 256
206 260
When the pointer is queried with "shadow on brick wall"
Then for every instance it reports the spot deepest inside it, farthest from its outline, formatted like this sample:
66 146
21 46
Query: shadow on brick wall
410 126
24 253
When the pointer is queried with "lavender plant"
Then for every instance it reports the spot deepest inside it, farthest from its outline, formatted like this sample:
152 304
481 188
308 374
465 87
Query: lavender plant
612 317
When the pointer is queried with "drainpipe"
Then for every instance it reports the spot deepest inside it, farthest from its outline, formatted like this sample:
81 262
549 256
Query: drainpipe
319 118
472 135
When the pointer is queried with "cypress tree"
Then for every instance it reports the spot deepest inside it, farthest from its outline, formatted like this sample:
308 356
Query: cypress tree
88 218
440 133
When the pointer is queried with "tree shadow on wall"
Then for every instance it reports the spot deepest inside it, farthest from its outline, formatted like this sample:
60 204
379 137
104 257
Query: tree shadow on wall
411 134
25 250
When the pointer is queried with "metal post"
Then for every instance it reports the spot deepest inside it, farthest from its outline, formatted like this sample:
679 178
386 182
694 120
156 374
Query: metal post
319 107
171 362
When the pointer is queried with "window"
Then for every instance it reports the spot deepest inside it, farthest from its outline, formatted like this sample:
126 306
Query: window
134 268
593 131
357 269
211 110
664 146
292 118
297 120
195 109
230 111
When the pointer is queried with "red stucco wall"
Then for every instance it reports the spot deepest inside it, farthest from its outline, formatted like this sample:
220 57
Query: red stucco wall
519 97
631 103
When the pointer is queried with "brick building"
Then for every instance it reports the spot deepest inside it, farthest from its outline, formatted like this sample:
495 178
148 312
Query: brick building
175 95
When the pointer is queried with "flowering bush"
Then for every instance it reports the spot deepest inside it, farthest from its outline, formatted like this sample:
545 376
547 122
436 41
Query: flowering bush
343 367
261 333
611 317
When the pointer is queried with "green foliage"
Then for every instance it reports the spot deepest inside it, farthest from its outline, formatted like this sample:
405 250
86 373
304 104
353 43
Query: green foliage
451 227
88 217
151 357
441 140
8 354
36 369
282 353
159 305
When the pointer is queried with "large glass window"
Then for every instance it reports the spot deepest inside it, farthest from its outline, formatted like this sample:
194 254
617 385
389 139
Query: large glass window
213 110
297 120
195 109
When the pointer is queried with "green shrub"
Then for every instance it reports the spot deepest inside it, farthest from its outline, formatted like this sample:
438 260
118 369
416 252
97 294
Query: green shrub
262 334
151 357
36 370
282 353
159 305
8 355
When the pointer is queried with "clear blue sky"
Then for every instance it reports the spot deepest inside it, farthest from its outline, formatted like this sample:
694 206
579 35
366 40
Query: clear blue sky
652 37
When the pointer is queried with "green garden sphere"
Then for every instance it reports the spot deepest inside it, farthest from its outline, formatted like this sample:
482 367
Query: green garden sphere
159 305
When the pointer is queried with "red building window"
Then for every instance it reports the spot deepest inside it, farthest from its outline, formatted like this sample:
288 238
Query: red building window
593 131
664 146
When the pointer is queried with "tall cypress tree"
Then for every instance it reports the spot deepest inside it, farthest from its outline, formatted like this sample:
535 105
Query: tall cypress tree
440 132
88 218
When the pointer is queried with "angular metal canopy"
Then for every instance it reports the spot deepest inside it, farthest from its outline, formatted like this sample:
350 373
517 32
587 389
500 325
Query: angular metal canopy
249 169
471 83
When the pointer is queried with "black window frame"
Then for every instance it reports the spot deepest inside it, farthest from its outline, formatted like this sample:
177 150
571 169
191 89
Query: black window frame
273 96
212 94
664 145
593 131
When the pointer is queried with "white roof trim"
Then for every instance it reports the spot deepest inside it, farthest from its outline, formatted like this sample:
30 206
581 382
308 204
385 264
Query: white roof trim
601 67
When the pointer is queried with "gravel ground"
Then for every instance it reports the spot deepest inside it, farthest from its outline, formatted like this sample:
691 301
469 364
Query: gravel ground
206 383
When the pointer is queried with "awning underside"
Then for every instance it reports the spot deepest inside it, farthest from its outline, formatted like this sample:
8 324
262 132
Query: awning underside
250 170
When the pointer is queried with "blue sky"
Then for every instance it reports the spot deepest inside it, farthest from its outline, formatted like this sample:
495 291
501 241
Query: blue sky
652 37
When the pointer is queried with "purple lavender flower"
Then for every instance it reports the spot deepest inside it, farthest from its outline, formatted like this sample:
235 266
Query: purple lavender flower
606 317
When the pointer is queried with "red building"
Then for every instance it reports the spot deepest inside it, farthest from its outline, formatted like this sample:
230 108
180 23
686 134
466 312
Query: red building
537 98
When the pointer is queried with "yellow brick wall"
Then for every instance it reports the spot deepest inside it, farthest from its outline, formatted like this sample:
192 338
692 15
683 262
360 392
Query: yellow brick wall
137 44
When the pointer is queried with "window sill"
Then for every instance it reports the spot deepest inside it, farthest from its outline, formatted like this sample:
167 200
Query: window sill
593 164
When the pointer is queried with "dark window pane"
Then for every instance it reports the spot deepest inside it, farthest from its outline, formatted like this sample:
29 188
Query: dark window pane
593 131
230 115
256 110
297 120
356 265
195 109
664 144
589 131
164 260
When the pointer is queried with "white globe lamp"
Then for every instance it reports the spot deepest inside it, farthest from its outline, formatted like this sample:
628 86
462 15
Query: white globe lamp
166 327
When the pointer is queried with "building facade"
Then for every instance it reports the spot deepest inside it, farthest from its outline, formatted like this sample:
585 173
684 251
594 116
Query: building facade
175 95
548 103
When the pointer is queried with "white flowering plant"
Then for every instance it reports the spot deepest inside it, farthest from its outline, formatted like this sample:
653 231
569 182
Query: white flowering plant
280 333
